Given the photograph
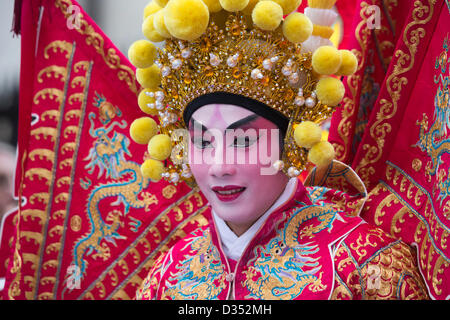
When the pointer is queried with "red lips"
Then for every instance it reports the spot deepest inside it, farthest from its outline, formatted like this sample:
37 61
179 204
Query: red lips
228 193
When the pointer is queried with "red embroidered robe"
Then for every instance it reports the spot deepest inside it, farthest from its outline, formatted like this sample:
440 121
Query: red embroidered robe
314 246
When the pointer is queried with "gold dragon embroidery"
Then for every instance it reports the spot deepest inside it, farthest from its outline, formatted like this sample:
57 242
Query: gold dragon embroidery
124 183
284 267
200 275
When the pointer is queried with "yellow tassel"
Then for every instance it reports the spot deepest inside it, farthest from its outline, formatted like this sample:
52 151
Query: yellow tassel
148 29
186 19
160 147
158 23
234 5
326 60
349 63
143 129
321 4
322 31
152 169
330 91
151 8
161 3
297 27
142 53
149 77
144 99
267 15
321 154
307 134
288 5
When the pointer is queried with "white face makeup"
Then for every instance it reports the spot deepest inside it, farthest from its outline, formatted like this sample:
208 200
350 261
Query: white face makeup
237 190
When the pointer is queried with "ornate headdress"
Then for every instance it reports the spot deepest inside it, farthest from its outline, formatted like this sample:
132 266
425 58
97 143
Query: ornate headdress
244 48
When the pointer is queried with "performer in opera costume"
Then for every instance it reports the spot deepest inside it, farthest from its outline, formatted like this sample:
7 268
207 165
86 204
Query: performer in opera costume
245 86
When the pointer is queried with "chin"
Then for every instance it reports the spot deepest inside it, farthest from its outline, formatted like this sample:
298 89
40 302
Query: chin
236 213
228 207
236 216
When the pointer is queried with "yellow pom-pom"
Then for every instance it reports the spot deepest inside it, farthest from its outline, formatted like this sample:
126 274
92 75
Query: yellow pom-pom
250 6
234 5
151 8
161 3
144 100
349 63
142 53
149 77
186 19
160 147
213 5
326 60
321 4
288 5
297 27
307 134
148 29
321 154
330 91
143 129
267 15
152 169
160 26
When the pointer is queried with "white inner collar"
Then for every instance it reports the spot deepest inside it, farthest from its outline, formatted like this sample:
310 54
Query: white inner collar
233 246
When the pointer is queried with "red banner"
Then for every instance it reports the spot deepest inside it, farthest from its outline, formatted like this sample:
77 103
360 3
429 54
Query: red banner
89 224
394 124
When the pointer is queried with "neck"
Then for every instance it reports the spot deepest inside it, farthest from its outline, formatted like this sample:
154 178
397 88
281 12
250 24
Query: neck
239 229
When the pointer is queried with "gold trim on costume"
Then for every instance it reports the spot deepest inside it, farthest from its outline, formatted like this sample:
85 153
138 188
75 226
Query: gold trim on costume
395 83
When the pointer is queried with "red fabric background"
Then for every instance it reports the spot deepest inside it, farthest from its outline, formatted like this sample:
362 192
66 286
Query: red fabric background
75 170
87 216
393 130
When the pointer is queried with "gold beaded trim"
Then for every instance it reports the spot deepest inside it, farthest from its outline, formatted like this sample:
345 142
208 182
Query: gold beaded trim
240 59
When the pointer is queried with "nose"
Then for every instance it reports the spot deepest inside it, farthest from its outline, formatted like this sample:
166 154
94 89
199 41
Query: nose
221 170
219 167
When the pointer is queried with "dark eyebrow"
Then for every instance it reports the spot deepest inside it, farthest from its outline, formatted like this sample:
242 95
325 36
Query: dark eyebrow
243 121
195 123
234 125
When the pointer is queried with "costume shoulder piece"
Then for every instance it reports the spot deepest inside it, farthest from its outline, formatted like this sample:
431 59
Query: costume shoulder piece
337 185
327 247
372 265
369 264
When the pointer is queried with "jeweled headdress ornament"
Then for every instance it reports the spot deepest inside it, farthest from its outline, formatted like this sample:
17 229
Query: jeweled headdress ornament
243 48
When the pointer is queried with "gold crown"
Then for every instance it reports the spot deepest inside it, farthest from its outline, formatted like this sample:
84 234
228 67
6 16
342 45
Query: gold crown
236 55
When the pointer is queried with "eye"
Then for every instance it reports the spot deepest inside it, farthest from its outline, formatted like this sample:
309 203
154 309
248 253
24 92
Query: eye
282 245
244 142
201 143
277 251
